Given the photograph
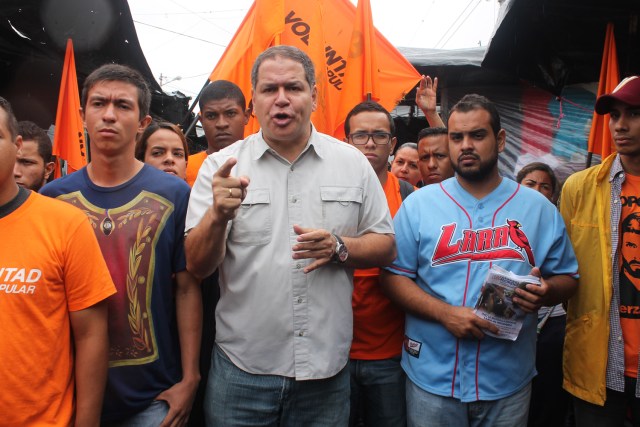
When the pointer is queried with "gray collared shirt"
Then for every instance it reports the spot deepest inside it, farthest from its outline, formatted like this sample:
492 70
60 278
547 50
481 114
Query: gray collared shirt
615 361
273 318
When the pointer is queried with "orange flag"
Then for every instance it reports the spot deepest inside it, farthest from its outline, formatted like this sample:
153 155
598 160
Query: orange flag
361 79
600 141
304 23
259 28
317 44
68 140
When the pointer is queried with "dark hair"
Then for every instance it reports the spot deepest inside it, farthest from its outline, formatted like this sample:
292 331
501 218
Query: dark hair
32 132
474 101
119 73
626 223
426 132
288 52
222 89
538 166
12 123
141 143
368 106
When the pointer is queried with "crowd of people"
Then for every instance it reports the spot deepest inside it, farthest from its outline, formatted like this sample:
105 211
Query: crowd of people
291 279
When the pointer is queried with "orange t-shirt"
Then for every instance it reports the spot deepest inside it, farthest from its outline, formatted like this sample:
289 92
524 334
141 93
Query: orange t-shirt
193 166
378 325
630 272
50 265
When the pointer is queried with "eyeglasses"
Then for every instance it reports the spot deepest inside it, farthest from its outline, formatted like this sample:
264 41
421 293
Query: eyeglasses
379 138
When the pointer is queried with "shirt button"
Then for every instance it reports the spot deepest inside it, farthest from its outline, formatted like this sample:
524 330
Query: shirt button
615 201
614 228
480 206
620 338
299 300
294 199
301 333
298 266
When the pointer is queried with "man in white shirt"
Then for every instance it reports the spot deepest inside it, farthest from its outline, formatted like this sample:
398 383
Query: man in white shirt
286 214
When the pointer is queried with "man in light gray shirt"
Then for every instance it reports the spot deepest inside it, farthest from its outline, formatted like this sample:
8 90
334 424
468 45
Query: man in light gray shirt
286 214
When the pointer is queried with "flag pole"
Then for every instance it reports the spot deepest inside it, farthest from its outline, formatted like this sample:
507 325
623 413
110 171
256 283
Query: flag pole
589 158
193 106
191 126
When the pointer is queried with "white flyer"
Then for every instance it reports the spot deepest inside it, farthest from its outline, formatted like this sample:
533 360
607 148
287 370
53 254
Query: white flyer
495 302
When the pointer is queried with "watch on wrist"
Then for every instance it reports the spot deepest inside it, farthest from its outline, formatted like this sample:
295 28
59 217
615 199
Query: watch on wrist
341 253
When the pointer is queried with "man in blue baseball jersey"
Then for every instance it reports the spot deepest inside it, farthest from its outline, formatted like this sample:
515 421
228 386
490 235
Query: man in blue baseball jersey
448 236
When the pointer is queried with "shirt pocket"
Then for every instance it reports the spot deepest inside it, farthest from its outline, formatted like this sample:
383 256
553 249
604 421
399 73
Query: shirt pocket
252 225
341 209
585 234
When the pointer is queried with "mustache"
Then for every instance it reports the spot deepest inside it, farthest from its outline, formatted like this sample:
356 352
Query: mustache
468 154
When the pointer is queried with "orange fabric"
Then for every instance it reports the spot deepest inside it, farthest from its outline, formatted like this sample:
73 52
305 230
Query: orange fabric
259 28
362 68
69 142
600 141
300 26
378 325
316 48
48 267
630 309
193 166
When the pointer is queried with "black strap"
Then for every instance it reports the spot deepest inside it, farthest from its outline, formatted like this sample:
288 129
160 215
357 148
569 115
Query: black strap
405 189
14 203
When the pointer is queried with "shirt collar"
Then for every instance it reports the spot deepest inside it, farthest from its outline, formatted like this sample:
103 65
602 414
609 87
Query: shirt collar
314 144
616 171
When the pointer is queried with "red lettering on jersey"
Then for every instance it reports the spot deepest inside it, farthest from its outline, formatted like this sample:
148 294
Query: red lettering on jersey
487 244
501 237
468 241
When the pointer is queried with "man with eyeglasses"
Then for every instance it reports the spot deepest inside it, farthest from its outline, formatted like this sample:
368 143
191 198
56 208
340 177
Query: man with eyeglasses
377 379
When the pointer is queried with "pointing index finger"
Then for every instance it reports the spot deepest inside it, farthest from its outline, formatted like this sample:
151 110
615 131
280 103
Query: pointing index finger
225 170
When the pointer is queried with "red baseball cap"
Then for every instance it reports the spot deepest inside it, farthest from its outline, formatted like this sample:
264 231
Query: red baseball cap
627 91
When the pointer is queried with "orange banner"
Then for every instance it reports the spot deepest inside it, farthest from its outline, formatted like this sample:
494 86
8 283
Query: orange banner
304 24
69 142
600 141
361 76
259 28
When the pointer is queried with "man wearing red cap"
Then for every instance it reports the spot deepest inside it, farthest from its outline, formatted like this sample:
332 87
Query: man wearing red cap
599 206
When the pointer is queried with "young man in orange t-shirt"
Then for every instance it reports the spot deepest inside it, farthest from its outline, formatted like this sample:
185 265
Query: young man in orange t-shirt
53 286
223 115
377 379
601 209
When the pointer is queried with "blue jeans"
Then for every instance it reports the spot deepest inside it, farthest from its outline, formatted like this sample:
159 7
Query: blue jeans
150 417
237 398
427 409
377 393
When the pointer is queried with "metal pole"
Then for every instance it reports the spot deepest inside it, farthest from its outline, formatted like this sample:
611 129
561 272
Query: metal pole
191 126
193 105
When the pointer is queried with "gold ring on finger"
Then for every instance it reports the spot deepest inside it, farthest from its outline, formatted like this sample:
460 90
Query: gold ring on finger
230 193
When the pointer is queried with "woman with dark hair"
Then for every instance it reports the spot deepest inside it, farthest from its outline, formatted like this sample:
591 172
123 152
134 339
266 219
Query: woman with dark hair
164 146
541 178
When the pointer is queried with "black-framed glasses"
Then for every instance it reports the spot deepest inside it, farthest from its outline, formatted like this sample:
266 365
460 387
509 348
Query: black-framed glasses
379 138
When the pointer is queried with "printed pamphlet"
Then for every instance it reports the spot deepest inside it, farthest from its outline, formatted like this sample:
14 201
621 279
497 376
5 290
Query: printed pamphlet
496 305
